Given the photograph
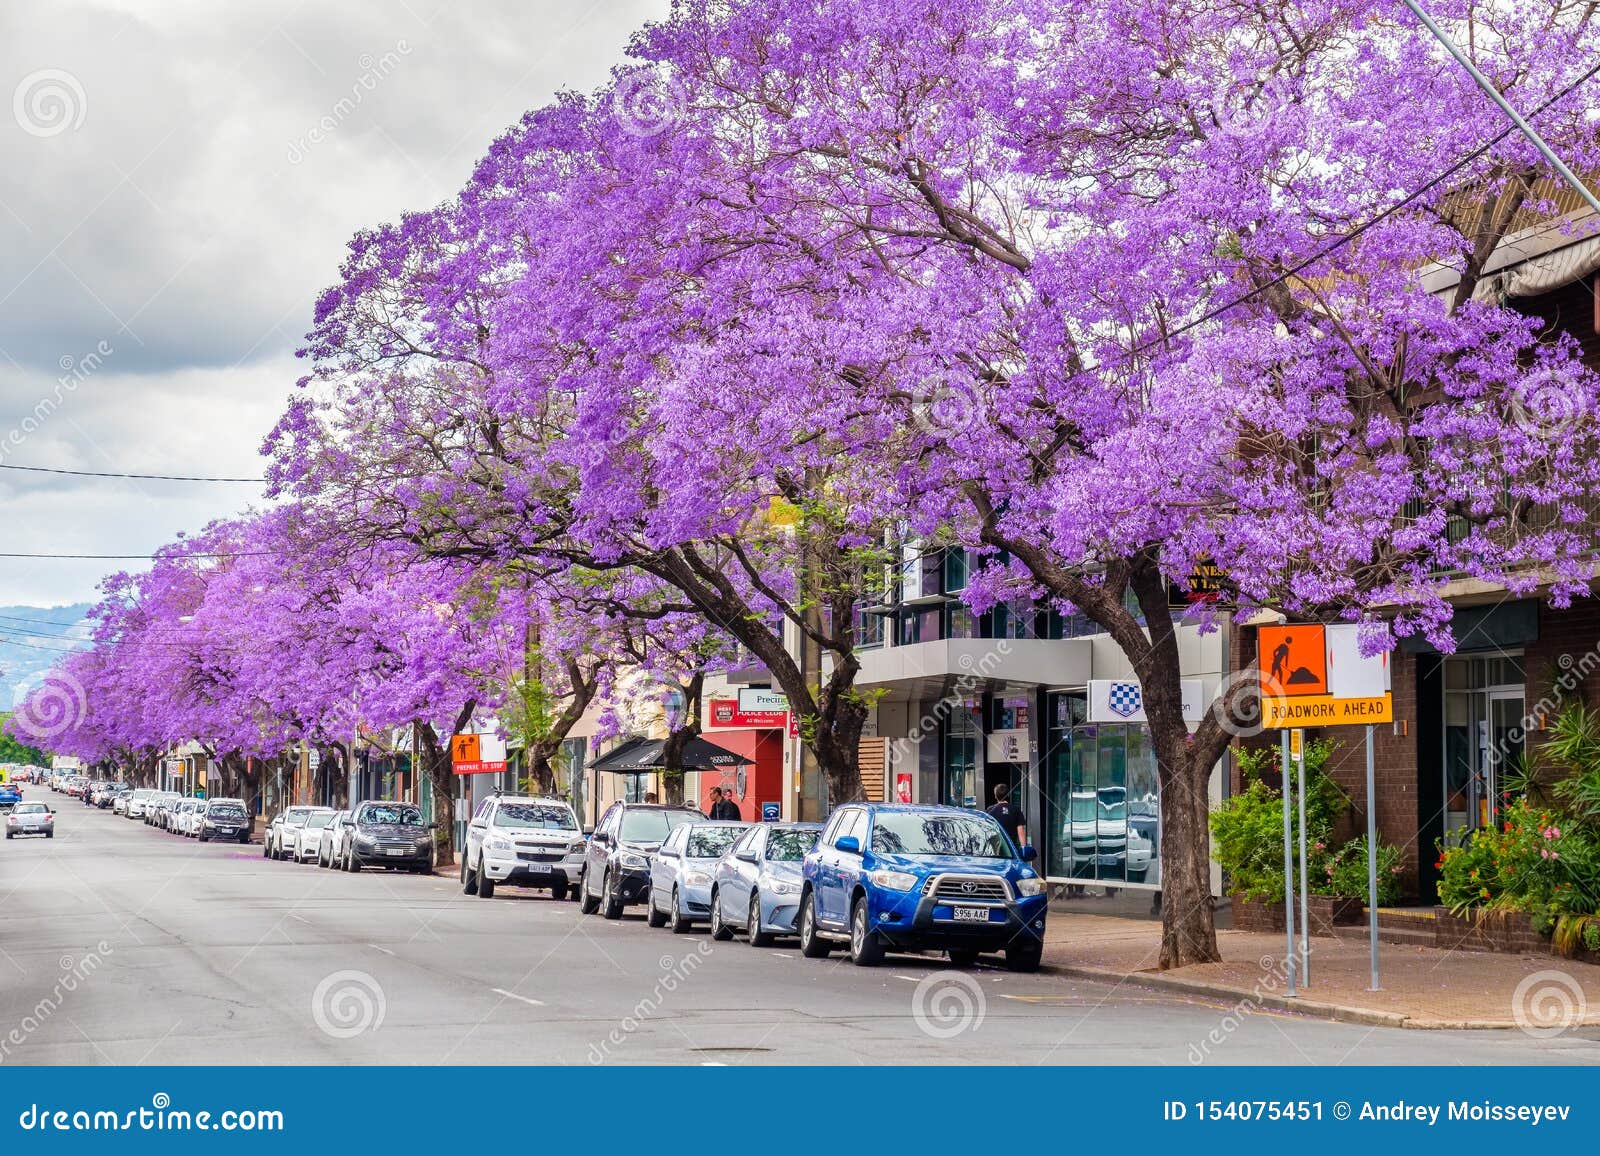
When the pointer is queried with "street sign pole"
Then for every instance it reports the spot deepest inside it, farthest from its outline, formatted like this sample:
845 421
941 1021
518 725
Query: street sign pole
1372 861
1288 869
1305 875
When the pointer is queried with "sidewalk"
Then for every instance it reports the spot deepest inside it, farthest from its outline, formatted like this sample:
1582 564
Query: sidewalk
1422 987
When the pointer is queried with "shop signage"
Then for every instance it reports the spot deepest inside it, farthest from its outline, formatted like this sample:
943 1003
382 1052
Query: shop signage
1008 746
1206 583
724 713
1314 675
1114 700
760 698
477 754
313 758
771 812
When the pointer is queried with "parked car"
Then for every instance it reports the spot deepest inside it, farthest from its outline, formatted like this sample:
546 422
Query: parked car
108 792
139 802
119 803
222 819
756 885
176 817
887 876
308 836
330 848
158 813
522 841
392 835
10 796
280 832
616 865
31 819
681 873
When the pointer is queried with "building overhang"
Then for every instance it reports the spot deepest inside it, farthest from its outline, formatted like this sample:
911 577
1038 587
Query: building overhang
923 670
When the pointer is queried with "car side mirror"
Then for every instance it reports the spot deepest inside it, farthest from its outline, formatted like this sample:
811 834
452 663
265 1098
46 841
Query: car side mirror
747 855
1029 853
849 844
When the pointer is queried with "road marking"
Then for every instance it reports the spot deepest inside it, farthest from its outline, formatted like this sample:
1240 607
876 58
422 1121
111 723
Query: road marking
514 995
301 918
375 947
910 978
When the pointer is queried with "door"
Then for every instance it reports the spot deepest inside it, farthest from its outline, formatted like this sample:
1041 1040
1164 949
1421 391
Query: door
1504 749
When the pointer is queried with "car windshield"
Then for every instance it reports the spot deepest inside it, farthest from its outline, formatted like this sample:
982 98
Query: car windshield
30 808
226 811
652 826
295 815
1088 808
540 816
389 814
790 846
321 820
711 842
896 833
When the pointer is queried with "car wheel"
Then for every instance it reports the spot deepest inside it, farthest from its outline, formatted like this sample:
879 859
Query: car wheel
1025 957
653 915
559 891
610 901
350 863
49 834
11 834
962 956
266 849
587 904
812 945
469 880
676 923
752 926
720 931
485 884
1138 876
866 946
203 838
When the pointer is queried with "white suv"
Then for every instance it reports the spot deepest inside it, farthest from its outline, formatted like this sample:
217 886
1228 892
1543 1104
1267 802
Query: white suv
524 842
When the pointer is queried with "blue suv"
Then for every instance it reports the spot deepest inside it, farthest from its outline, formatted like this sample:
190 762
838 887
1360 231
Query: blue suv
920 877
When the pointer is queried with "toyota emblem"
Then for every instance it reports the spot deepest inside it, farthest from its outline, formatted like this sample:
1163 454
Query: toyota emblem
968 887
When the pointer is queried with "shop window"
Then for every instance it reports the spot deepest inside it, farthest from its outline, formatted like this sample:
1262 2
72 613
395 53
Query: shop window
960 772
959 621
1102 822
870 630
957 569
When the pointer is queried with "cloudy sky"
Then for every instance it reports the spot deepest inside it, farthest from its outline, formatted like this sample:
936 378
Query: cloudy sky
177 182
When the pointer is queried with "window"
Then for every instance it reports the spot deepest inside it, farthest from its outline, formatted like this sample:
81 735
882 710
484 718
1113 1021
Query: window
870 630
959 621
711 842
901 833
537 816
851 822
653 826
790 846
957 567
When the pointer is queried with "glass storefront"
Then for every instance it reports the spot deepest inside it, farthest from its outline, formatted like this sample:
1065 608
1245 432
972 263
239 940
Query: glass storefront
1483 733
960 783
1102 803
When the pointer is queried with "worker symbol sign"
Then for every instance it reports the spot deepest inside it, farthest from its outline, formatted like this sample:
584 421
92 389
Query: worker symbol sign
1294 659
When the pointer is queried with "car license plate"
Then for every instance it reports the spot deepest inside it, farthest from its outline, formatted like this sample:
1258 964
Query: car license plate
970 914
538 867
227 830
394 851
1108 860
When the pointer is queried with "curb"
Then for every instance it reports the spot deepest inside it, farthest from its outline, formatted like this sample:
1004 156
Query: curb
1338 1013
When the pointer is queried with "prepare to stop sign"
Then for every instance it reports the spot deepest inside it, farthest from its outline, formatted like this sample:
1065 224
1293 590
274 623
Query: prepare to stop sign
1314 675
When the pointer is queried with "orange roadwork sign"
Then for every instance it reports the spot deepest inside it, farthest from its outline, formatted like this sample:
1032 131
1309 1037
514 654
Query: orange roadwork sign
1293 660
465 749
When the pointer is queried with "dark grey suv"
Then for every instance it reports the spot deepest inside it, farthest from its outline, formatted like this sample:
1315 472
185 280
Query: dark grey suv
616 866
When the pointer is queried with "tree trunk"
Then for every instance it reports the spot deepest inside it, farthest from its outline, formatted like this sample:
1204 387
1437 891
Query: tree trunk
443 780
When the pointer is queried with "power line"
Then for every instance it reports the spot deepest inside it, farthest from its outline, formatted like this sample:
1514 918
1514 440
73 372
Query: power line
1293 270
137 477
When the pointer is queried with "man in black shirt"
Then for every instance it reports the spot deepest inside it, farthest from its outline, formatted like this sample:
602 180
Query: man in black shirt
723 807
1009 815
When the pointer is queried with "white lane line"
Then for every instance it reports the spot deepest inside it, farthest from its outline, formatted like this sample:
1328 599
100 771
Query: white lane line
514 995
301 918
375 947
909 978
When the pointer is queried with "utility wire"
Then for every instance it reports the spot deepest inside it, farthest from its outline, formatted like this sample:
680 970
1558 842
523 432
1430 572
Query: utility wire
137 477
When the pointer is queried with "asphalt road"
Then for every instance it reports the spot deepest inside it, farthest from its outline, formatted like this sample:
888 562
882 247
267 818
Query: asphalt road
123 945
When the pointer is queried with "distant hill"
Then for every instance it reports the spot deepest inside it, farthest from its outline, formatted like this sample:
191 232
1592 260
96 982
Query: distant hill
32 640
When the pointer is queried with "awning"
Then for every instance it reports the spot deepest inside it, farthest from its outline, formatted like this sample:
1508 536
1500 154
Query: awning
640 756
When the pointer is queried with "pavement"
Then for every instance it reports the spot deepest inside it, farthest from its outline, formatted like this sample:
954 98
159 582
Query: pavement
120 944
1419 987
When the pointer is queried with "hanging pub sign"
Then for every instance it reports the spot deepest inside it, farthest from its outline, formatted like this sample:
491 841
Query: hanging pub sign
1206 584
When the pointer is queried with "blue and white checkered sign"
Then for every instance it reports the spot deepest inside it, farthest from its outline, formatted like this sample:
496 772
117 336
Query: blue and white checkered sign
1125 699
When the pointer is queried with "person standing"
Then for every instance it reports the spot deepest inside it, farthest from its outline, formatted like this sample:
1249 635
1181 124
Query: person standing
723 807
1009 815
